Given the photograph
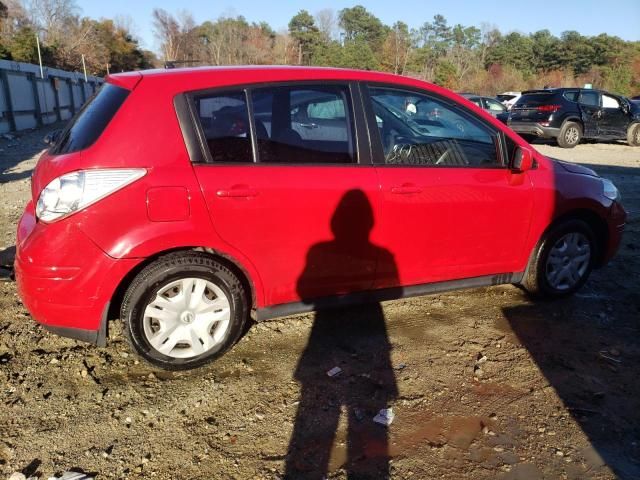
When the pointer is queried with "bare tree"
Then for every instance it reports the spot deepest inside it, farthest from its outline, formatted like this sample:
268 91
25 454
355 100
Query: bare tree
327 22
176 35
52 17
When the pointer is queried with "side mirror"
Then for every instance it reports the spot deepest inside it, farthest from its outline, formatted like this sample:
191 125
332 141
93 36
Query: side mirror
52 137
522 160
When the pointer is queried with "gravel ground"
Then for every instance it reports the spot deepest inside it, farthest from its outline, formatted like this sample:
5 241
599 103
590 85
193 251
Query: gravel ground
484 383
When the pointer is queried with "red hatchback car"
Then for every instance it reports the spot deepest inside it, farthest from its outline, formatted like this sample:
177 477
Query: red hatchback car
187 200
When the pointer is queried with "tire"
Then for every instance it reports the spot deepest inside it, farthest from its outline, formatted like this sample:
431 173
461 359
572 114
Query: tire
548 261
196 303
570 135
529 138
633 135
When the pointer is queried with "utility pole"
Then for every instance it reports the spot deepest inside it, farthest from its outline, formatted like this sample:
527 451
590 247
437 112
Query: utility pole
84 67
39 55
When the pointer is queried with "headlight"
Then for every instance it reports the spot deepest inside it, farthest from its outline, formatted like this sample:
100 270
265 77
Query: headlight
75 191
610 190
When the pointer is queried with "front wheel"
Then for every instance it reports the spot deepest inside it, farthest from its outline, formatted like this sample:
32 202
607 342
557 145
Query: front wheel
633 135
570 135
562 261
184 310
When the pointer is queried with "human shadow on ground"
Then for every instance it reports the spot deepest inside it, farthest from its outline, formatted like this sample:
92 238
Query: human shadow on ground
353 339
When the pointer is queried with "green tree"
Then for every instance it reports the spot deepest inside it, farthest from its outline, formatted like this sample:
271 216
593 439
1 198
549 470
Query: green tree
303 29
358 23
357 53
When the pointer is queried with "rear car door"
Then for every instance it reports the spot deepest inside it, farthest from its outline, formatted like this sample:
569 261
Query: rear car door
591 112
451 207
279 198
614 121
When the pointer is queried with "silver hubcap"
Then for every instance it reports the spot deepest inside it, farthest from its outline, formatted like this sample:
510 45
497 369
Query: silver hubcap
187 318
568 261
571 136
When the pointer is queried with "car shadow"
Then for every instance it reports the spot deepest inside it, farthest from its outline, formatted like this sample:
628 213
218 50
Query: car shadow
591 363
587 345
355 341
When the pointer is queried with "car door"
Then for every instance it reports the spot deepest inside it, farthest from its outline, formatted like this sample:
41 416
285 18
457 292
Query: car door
591 112
451 207
614 120
493 106
279 199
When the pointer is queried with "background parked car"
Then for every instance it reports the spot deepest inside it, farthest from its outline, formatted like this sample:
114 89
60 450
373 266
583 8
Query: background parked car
490 105
571 114
508 99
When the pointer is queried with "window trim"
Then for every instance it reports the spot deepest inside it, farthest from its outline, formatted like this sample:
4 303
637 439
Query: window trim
376 142
194 135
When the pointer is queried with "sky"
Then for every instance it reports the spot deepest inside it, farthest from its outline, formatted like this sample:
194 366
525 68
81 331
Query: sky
589 17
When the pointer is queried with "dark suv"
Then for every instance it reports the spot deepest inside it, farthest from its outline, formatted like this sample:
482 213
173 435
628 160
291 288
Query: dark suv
570 114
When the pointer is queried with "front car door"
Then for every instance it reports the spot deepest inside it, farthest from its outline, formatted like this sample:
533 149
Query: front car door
591 112
615 120
494 107
452 209
289 204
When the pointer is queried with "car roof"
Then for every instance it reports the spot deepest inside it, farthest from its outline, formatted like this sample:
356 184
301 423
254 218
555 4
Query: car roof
200 78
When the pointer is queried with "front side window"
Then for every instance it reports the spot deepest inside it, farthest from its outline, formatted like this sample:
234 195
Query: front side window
494 105
589 98
224 121
610 102
417 129
304 124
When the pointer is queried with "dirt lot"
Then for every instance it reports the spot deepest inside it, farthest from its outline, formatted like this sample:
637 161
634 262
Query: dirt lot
484 383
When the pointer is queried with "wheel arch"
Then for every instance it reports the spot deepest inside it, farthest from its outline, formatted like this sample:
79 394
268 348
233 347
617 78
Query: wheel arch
593 220
248 282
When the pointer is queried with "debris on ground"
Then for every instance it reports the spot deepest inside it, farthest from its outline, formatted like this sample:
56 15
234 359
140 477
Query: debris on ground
385 417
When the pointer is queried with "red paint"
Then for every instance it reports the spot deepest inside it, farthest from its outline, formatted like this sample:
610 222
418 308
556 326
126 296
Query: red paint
438 223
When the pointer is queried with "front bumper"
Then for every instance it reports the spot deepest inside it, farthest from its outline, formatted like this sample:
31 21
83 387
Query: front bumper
64 279
532 128
615 225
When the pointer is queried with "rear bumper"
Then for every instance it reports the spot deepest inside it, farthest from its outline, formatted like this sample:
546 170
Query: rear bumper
531 128
65 280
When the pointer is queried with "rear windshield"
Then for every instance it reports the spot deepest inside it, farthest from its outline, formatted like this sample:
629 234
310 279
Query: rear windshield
85 128
535 99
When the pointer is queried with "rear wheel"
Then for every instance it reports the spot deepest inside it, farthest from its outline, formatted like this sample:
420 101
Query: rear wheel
184 310
528 137
633 135
562 261
570 135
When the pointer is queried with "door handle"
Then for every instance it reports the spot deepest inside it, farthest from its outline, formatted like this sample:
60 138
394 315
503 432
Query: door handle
406 189
309 125
237 193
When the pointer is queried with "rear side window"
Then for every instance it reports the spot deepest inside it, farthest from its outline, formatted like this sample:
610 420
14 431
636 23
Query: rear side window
571 95
590 98
304 124
534 99
224 121
85 128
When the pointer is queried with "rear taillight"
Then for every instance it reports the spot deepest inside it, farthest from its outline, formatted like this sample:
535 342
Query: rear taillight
548 108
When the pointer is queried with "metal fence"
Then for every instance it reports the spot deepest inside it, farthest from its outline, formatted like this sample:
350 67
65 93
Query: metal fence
28 101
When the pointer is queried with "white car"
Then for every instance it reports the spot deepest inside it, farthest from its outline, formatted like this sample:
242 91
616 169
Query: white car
509 98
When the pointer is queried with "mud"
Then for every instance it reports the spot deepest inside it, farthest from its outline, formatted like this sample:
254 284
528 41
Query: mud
484 383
